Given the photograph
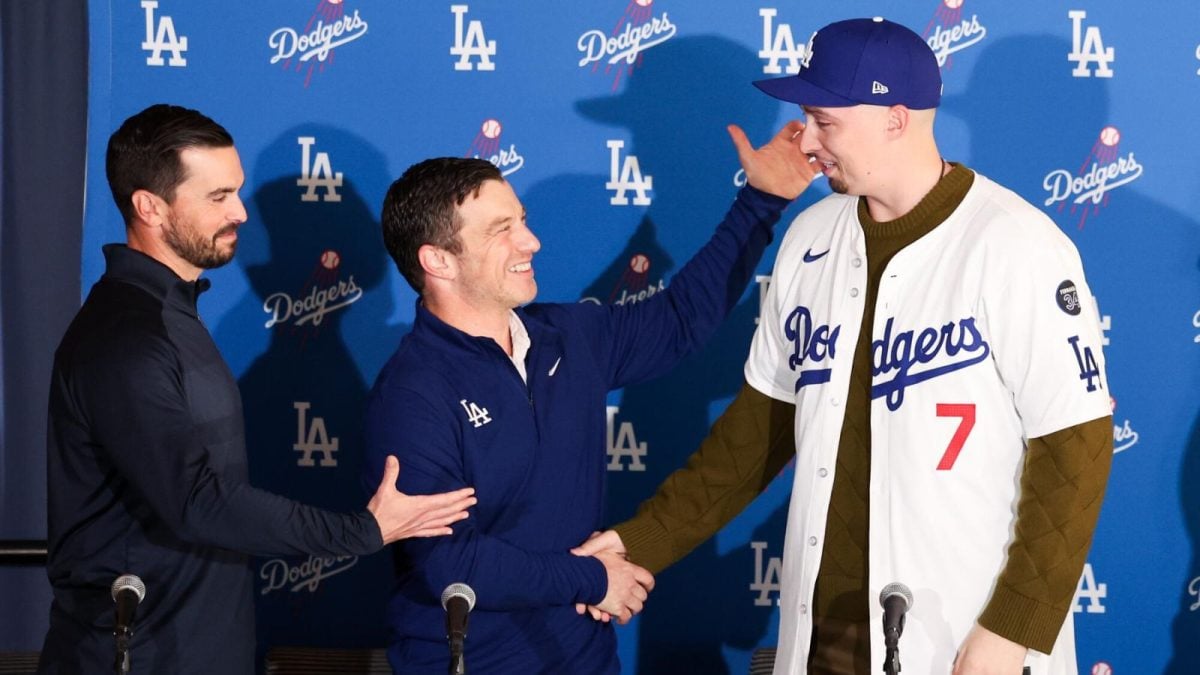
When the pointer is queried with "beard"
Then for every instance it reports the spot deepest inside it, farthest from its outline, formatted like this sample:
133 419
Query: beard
194 248
838 185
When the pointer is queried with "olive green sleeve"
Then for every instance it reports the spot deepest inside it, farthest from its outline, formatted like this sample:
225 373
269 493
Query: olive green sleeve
1062 487
746 448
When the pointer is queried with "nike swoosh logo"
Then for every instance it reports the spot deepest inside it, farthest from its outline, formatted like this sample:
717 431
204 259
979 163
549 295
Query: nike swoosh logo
809 256
554 368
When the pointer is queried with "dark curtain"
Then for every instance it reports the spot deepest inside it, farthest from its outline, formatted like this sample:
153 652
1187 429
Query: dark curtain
43 116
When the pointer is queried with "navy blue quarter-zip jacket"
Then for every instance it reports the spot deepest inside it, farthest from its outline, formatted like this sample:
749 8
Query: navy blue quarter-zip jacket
456 412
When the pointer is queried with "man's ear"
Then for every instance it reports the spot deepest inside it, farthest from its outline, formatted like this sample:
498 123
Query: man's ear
437 263
148 207
898 118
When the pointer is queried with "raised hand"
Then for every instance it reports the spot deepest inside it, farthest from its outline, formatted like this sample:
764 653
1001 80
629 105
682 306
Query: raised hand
777 167
401 516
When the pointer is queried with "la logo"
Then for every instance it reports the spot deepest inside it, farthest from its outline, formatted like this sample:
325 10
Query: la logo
314 438
1088 369
164 38
778 44
766 576
317 174
625 176
1090 49
808 50
623 444
475 415
473 44
1091 591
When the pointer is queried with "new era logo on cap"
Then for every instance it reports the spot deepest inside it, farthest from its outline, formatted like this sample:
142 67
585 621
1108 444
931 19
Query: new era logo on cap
857 61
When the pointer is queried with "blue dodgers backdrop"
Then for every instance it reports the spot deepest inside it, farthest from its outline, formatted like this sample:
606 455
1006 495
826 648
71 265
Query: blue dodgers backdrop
609 122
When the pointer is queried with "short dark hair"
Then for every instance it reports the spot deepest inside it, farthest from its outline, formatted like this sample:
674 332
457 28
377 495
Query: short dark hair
421 208
144 153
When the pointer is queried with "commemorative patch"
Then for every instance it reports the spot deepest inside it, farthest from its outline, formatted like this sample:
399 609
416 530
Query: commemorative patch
1067 298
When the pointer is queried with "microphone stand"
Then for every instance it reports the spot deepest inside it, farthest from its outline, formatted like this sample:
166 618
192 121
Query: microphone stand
458 665
121 665
891 662
891 642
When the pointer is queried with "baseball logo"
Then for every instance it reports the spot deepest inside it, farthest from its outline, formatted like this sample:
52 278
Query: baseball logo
330 259
1110 136
1067 298
953 4
491 128
1101 668
639 263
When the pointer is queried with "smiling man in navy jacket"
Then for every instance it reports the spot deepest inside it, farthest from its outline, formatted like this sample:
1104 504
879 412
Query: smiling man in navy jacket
510 398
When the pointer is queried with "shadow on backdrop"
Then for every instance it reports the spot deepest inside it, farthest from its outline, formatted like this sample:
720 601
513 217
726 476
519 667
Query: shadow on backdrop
313 267
1185 656
675 108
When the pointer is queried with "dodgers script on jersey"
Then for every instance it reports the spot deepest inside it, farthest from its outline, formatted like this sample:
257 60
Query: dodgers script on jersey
980 341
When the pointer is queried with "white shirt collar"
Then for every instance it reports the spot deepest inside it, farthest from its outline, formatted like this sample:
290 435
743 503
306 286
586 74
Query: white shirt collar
520 343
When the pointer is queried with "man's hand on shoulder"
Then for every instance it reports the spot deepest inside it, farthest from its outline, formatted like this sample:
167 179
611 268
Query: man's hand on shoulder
779 167
986 653
401 516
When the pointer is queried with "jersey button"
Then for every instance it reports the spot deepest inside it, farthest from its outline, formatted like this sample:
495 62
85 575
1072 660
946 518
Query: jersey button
835 402
857 262
822 472
804 609
854 292
812 541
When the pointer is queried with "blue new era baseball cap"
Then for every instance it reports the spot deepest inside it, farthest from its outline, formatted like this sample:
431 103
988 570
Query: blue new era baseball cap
871 61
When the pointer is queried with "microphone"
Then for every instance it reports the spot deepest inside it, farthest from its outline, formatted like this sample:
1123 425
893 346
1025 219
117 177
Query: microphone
896 600
127 591
458 600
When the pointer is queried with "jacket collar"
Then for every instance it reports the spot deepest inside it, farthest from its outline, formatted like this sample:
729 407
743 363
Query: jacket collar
428 326
134 267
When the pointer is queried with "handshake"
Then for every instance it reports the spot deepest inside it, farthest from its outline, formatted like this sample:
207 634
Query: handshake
628 584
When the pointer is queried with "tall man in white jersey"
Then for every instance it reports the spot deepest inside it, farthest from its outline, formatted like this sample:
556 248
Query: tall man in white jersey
929 354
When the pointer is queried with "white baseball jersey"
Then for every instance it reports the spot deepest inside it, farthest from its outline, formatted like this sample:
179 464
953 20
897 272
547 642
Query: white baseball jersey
984 335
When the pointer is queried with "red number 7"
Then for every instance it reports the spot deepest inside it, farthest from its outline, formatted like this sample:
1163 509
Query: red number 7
967 412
